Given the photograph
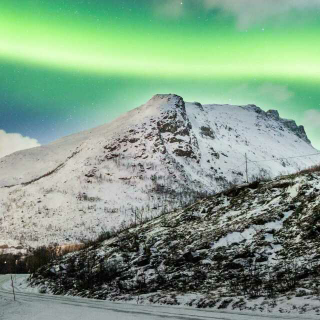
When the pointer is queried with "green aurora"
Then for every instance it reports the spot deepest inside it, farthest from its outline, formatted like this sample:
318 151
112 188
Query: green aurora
68 65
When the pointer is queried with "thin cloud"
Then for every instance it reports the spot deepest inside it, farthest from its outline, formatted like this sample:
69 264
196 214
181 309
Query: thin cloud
312 118
12 142
246 12
267 91
277 92
170 8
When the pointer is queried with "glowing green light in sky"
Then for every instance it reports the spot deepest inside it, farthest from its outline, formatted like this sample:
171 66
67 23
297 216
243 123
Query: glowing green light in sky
96 59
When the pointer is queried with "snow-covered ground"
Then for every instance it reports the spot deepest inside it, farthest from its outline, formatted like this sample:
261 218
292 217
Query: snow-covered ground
31 305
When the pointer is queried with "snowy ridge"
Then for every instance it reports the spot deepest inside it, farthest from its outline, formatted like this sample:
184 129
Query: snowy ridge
153 159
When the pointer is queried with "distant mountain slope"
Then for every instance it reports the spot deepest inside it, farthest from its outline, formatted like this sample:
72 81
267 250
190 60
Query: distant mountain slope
155 158
256 240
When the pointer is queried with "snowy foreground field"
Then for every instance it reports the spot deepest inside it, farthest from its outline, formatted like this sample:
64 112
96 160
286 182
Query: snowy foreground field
34 306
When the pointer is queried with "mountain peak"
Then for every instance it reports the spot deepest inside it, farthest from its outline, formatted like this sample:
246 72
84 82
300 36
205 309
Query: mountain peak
166 97
274 114
299 131
166 101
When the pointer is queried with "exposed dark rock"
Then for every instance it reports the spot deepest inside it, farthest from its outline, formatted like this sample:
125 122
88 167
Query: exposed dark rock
207 132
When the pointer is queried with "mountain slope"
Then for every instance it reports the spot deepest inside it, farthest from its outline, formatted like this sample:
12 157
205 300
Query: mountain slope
160 156
261 239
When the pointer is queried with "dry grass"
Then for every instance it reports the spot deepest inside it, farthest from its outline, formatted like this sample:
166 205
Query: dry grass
312 169
65 249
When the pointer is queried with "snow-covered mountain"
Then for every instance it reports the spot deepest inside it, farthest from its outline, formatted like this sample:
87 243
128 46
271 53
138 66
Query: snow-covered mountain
155 158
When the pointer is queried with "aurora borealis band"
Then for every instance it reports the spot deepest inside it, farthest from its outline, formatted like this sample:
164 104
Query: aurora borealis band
68 65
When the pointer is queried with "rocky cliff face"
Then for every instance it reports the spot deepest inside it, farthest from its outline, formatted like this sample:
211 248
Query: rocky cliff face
299 131
158 157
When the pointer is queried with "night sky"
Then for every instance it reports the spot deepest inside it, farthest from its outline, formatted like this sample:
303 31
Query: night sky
70 65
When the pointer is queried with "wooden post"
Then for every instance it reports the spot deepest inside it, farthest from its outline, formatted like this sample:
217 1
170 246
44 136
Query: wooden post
14 294
247 169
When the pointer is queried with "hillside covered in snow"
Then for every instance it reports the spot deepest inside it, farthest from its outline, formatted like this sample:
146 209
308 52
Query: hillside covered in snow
158 157
252 247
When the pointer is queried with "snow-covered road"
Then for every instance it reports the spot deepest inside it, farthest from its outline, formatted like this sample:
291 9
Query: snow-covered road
34 306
